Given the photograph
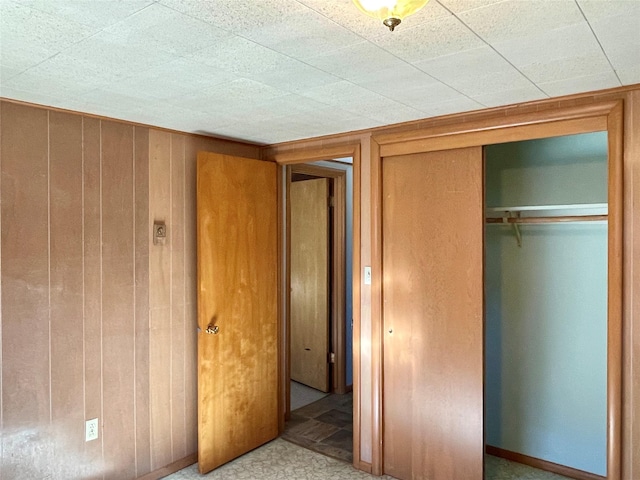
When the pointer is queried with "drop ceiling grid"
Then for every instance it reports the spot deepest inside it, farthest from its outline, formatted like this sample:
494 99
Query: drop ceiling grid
279 70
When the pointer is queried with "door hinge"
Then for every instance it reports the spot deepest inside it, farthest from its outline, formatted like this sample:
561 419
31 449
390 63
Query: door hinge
332 357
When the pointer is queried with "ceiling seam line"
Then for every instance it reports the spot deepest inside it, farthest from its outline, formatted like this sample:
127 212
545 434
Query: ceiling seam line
598 40
494 49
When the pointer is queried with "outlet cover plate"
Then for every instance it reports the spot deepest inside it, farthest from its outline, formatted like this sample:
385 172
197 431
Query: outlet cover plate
91 430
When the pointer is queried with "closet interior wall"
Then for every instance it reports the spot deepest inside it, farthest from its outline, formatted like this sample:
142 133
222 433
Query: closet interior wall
546 303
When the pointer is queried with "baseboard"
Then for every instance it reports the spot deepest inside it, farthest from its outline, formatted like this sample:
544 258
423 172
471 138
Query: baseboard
364 466
542 464
171 468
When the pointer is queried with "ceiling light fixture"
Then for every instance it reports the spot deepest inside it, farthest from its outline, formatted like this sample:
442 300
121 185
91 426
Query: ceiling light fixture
391 12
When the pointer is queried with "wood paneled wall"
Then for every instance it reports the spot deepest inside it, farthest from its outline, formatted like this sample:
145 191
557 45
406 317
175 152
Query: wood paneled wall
96 320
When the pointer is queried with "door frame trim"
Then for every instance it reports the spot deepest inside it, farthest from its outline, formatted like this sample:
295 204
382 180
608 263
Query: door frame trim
600 116
302 156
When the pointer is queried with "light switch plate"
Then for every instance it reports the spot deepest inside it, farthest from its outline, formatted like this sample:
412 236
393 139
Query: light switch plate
367 275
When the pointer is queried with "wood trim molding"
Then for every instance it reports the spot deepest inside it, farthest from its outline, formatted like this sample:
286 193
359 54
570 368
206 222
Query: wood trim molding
357 311
310 155
497 123
615 123
339 283
171 468
542 464
467 139
377 323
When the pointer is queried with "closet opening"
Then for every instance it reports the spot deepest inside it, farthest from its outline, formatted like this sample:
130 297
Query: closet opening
545 307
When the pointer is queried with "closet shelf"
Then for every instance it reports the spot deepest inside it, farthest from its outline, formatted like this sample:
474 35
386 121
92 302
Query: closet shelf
582 212
541 214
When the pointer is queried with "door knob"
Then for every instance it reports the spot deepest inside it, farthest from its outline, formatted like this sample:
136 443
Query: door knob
212 329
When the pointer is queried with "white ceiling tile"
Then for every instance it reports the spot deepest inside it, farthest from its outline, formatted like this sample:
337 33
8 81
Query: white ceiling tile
339 93
116 101
459 6
303 35
566 42
294 76
460 104
101 14
485 71
345 13
620 38
240 56
503 21
356 61
105 52
404 84
172 80
425 97
32 82
238 16
65 71
443 36
162 28
630 75
587 83
32 97
29 36
598 9
7 73
564 68
230 97
510 97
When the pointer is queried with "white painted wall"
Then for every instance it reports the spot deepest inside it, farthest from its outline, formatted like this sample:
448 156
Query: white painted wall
546 305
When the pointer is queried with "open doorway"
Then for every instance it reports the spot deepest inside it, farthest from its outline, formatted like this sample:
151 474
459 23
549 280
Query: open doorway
318 269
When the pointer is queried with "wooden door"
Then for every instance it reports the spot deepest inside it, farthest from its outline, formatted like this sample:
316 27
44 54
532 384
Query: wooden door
237 301
310 282
433 223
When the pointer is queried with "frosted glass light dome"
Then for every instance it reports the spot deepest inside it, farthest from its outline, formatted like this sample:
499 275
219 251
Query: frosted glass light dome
391 12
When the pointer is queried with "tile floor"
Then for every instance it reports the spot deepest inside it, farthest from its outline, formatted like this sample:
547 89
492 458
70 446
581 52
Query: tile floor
325 426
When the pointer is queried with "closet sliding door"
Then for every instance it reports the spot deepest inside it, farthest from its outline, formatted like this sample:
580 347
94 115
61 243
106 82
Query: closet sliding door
432 254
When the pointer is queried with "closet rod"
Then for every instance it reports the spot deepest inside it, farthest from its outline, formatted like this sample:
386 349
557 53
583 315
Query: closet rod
558 219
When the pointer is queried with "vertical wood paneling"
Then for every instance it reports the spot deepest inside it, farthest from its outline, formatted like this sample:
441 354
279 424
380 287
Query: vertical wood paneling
178 430
92 279
25 293
142 236
160 347
66 276
118 300
123 339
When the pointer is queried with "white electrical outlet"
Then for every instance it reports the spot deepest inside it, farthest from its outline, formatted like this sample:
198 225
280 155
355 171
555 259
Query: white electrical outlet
91 430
